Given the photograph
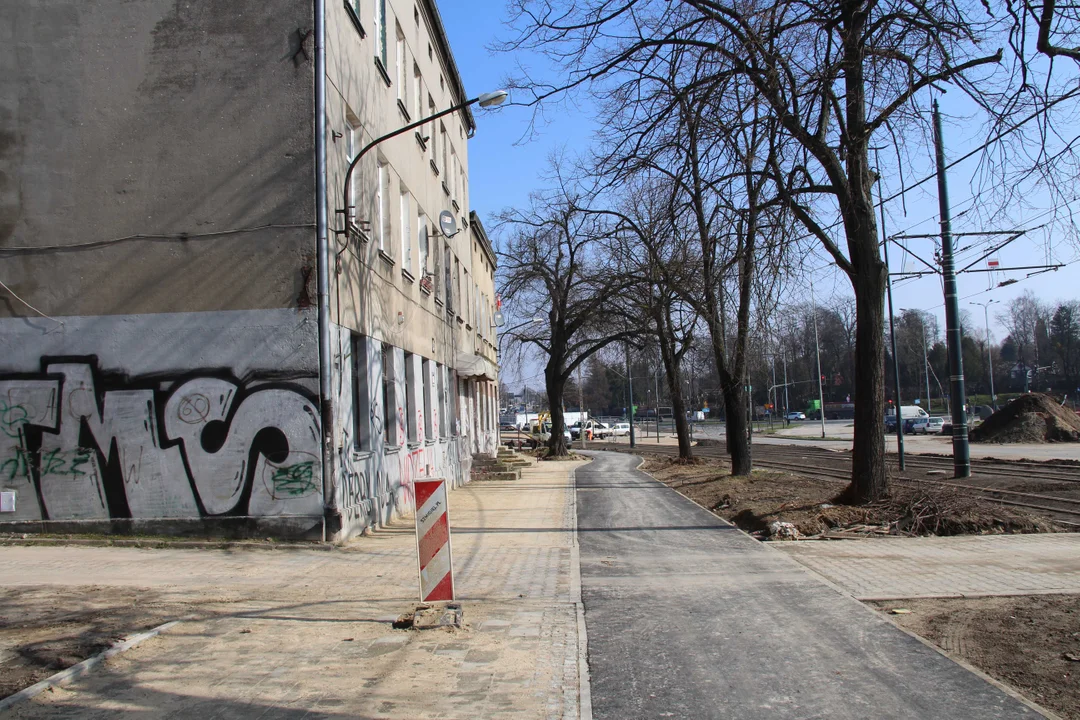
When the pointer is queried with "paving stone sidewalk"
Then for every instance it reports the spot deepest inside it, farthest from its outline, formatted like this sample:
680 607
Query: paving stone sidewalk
964 566
297 633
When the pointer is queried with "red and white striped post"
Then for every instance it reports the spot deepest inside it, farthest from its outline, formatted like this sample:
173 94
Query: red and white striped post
433 541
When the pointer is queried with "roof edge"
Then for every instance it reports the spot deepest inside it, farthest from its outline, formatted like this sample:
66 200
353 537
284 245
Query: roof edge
435 20
481 233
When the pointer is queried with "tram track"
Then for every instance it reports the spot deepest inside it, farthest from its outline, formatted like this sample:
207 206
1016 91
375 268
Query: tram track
835 466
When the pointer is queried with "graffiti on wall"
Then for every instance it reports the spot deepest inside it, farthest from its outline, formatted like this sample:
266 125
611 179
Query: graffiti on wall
79 443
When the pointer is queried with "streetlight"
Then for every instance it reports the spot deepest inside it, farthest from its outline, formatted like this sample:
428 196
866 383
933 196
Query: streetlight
989 354
926 364
490 99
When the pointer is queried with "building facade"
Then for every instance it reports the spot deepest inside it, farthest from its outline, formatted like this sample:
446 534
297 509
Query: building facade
192 337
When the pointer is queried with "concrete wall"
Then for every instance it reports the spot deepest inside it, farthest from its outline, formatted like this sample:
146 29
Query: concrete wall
157 203
204 431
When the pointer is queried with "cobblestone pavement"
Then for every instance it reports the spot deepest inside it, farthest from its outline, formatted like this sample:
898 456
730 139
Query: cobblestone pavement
299 633
966 566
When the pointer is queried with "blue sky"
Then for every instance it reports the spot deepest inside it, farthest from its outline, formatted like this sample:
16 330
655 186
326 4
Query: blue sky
506 163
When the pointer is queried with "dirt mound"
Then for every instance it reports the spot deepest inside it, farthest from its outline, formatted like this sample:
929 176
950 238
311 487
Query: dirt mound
1030 418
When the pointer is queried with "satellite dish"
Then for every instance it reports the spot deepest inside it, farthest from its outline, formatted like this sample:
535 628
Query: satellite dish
447 223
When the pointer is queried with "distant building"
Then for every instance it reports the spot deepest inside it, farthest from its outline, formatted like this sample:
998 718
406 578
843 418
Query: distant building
160 225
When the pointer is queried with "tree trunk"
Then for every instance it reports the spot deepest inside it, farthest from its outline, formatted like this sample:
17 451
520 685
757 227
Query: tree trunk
672 377
555 384
868 482
738 442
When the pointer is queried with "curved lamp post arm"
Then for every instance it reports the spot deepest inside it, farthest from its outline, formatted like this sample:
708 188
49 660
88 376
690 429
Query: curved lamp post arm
485 100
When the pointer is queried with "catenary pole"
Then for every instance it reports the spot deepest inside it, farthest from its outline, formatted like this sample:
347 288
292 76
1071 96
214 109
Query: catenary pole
817 353
630 390
961 450
892 327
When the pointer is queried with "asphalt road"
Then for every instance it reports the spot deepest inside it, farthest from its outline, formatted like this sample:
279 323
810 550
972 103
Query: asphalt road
689 618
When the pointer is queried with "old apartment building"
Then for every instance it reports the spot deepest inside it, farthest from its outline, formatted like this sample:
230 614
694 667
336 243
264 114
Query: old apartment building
195 334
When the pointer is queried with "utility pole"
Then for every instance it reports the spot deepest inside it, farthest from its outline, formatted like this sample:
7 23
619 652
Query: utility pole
772 361
580 408
925 362
961 450
630 384
787 409
892 329
989 353
656 382
817 352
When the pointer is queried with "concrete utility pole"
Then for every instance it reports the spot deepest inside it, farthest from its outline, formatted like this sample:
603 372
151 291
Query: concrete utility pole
892 328
925 362
630 384
961 450
817 352
656 381
581 408
989 353
786 406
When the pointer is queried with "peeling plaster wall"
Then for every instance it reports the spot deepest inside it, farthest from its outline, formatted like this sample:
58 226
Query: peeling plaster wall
164 118
157 202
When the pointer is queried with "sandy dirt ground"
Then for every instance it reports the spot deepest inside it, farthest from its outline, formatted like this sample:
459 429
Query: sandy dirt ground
1024 642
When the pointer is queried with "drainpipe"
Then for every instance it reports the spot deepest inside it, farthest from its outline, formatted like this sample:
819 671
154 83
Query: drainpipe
323 252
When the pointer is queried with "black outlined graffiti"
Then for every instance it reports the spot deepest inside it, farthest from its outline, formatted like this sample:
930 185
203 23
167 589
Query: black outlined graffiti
89 444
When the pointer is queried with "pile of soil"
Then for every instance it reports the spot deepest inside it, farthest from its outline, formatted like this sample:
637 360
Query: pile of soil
1030 418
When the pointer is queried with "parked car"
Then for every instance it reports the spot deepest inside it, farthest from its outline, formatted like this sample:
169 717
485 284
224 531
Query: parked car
928 425
620 429
796 415
890 425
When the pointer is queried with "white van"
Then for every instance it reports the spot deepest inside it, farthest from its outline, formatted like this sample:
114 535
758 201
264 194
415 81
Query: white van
912 412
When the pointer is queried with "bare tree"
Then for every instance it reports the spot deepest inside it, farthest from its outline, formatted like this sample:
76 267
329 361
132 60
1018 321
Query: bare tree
555 261
833 75
701 133
1023 319
661 274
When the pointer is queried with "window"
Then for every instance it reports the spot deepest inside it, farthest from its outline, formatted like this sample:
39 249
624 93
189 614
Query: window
352 146
422 241
429 416
440 377
467 305
382 201
402 70
406 233
452 400
362 429
431 111
440 290
417 105
445 152
457 286
389 397
452 180
380 31
410 397
448 270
